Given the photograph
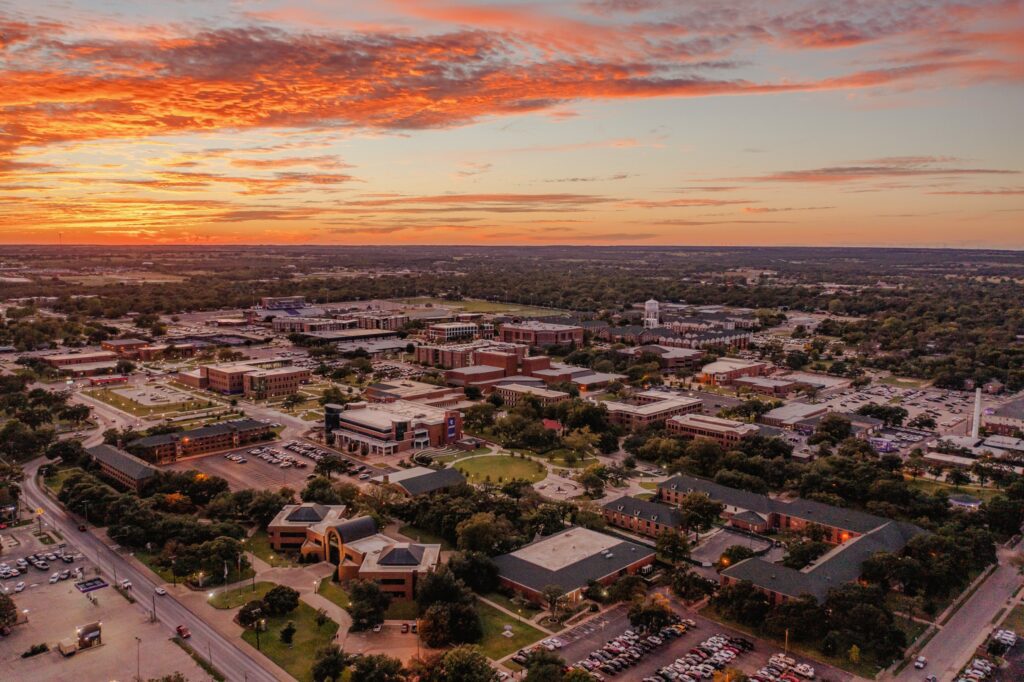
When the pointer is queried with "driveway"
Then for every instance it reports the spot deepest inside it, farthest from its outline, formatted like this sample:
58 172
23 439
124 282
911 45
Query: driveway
954 644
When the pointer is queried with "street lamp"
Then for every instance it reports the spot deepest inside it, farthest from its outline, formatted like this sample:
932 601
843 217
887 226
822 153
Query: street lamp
138 659
259 628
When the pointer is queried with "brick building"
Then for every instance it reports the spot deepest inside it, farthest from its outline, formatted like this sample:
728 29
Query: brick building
168 447
533 333
726 432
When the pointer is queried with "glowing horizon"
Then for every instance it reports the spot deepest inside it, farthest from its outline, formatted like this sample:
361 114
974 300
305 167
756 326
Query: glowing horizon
794 123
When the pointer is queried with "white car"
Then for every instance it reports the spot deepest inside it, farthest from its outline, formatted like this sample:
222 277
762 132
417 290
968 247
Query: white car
160 591
54 578
920 662
19 587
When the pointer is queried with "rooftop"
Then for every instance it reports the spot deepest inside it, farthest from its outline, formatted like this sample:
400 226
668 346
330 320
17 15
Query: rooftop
535 325
570 559
126 463
534 390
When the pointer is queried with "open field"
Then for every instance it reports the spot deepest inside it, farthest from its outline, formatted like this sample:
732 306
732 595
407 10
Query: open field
499 468
477 306
930 486
494 644
259 544
55 481
335 592
138 409
235 597
297 657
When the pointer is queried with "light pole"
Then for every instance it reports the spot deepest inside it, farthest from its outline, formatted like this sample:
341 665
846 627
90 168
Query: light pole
138 659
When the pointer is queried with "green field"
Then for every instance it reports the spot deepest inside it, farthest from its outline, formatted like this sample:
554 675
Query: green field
929 486
296 658
334 592
55 481
401 609
259 544
477 306
139 410
506 602
235 597
499 468
1015 621
494 644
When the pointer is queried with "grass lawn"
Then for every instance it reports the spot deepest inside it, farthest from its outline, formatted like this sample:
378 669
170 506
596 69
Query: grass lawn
139 410
929 486
494 644
648 485
297 657
401 609
904 382
235 597
506 602
476 306
500 468
259 544
334 592
150 561
55 481
558 458
425 537
1015 621
911 628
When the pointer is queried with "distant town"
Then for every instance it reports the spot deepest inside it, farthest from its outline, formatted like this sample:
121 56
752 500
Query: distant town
462 463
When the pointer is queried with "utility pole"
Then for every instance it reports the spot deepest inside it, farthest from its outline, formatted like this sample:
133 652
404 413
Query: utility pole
138 659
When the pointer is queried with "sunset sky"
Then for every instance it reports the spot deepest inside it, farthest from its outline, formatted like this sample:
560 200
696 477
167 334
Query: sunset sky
855 122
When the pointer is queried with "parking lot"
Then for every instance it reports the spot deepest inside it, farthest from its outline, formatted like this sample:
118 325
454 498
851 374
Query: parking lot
581 640
244 468
52 611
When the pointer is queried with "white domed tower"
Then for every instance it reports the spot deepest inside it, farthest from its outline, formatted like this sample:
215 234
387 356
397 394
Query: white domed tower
651 317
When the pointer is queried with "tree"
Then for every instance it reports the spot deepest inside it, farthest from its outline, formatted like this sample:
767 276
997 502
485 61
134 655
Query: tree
447 623
688 585
124 366
653 613
544 666
8 611
957 478
733 555
477 570
281 600
368 604
329 465
801 554
742 602
580 442
329 663
483 532
464 663
672 546
472 392
378 668
441 586
321 490
698 512
592 482
831 430
288 633
292 400
553 595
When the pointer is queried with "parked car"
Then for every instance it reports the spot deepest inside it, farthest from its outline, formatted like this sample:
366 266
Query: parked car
183 632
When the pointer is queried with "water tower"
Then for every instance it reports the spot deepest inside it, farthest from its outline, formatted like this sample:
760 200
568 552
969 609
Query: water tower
651 314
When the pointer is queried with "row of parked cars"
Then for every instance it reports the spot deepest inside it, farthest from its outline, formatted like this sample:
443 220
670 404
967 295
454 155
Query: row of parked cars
979 669
629 648
39 561
782 668
317 455
702 661
272 456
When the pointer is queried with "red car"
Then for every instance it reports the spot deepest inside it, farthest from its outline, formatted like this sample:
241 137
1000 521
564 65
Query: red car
183 632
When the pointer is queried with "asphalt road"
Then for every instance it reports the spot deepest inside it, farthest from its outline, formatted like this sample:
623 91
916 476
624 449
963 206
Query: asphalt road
225 655
954 644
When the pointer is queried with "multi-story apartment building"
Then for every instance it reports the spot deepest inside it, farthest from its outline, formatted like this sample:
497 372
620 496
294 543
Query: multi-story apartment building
124 347
168 447
446 332
534 333
644 517
724 371
289 325
385 321
726 432
123 467
1007 419
480 352
513 394
650 408
261 384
